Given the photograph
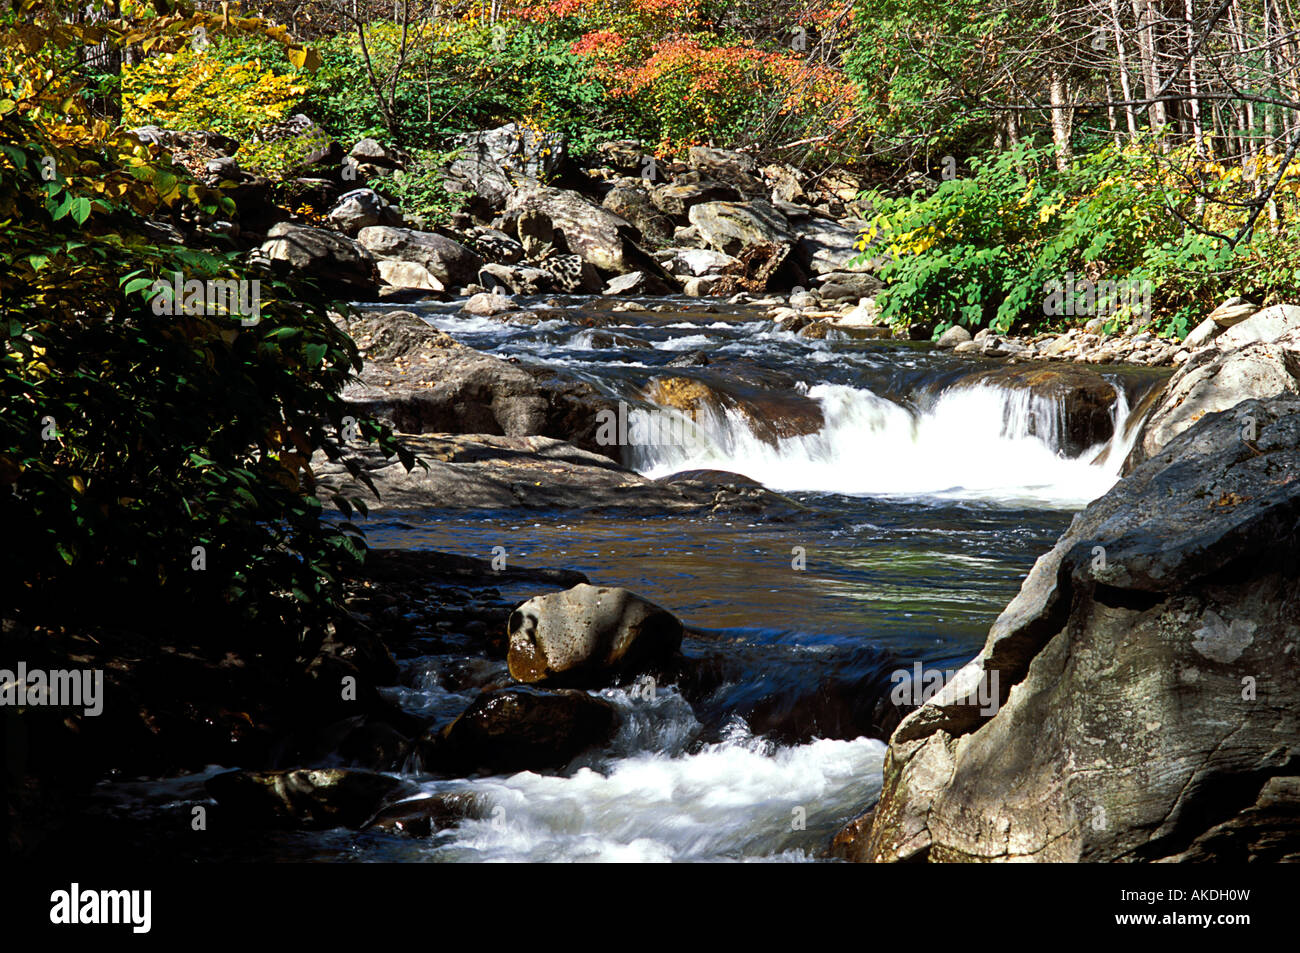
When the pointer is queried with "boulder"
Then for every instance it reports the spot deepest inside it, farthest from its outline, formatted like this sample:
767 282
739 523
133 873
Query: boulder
1266 326
829 246
408 276
848 285
633 203
590 635
515 279
489 303
681 195
1202 334
372 152
952 337
699 261
334 260
1213 380
593 233
447 260
731 227
1233 311
358 209
1148 684
1079 403
734 168
625 156
521 729
570 274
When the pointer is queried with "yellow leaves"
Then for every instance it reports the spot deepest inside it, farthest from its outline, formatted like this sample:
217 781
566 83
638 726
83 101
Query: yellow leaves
304 58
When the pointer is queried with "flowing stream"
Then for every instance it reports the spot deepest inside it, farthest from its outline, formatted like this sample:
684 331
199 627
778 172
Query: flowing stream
925 506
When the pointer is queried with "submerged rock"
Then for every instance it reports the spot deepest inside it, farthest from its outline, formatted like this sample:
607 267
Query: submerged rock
319 798
590 635
521 729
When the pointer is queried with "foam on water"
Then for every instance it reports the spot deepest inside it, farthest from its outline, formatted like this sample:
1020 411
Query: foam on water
740 799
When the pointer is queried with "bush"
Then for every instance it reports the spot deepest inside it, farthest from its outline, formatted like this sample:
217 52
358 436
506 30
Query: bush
157 466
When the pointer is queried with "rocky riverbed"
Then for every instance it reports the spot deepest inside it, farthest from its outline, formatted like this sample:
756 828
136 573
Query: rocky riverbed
688 535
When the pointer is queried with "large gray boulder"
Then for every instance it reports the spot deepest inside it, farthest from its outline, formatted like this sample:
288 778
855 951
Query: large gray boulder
734 168
731 227
633 203
447 260
1147 674
589 635
598 236
1215 379
334 260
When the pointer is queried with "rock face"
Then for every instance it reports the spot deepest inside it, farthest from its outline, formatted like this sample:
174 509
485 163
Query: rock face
1216 378
493 163
334 260
589 635
1155 713
522 729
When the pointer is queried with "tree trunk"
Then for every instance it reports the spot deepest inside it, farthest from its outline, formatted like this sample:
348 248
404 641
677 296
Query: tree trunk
1061 120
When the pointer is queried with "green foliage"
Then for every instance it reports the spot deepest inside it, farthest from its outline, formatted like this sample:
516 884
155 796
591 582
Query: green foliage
459 77
128 437
981 249
420 188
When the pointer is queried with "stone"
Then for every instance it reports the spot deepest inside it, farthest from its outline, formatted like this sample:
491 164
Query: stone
489 303
730 227
447 260
1266 326
309 798
1233 311
335 261
590 635
952 337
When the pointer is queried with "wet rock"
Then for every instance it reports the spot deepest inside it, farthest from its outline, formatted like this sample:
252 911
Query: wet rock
521 729
633 283
306 797
590 635
425 815
850 841
1156 695
447 260
772 414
